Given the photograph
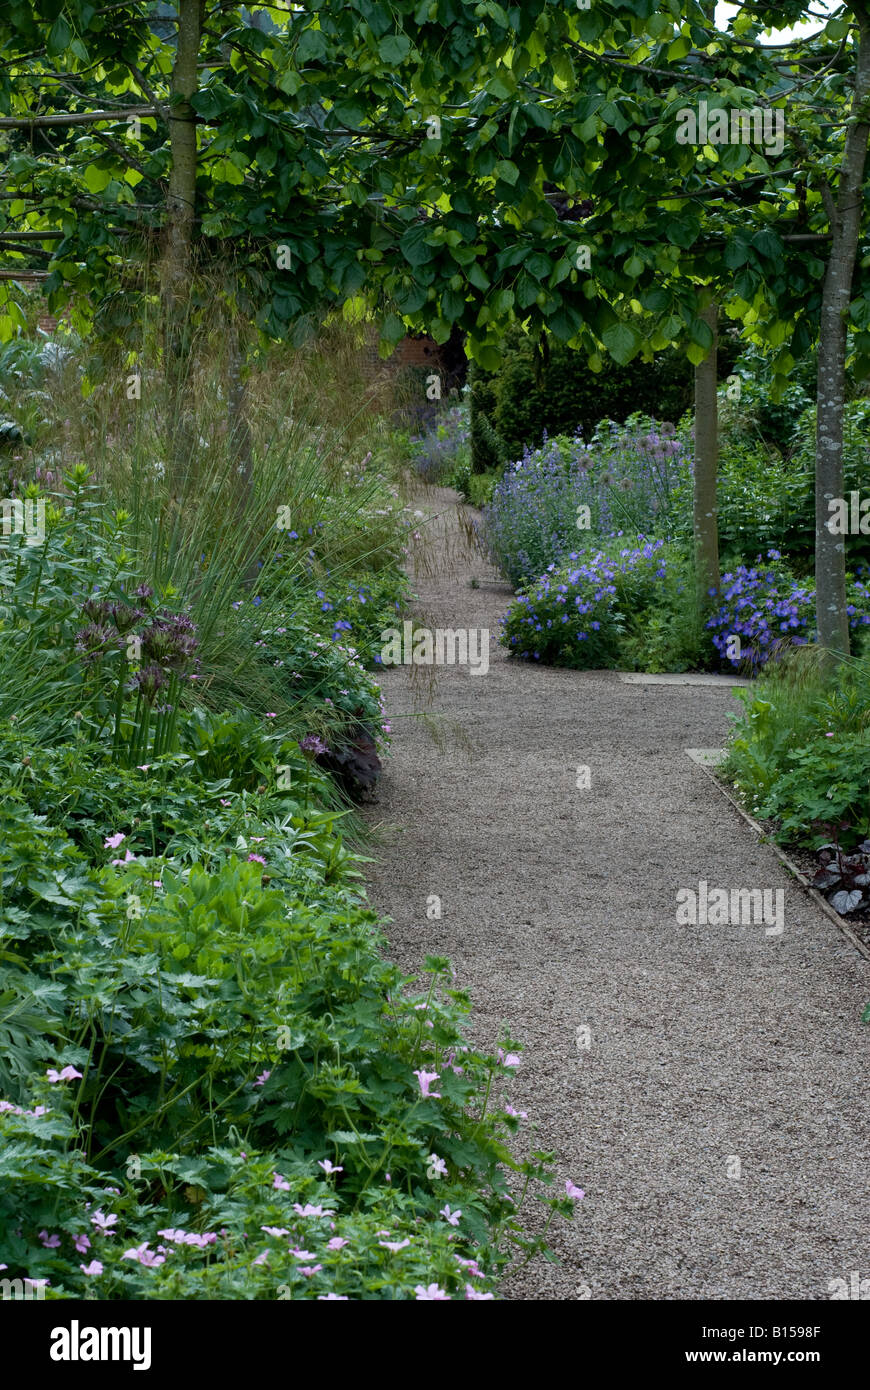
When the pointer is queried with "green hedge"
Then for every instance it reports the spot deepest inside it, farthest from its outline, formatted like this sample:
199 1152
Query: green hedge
552 388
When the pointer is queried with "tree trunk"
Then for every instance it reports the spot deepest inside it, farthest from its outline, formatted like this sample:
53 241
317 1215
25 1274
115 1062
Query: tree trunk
706 466
832 619
177 268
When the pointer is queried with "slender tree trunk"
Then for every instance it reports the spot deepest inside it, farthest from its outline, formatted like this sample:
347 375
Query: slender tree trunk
706 466
177 268
845 216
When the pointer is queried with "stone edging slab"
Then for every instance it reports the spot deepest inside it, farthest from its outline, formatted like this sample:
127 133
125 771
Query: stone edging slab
681 678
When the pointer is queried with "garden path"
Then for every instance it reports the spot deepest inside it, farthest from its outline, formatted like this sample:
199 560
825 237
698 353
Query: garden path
710 1046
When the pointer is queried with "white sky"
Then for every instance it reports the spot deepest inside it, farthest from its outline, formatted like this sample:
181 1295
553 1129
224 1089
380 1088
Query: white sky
724 13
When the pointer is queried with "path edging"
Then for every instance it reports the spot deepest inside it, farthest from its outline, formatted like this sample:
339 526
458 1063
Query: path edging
813 893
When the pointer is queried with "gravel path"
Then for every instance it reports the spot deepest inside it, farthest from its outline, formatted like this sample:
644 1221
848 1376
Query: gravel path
708 1043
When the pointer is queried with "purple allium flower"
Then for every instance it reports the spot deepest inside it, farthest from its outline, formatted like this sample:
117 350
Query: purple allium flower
148 681
312 743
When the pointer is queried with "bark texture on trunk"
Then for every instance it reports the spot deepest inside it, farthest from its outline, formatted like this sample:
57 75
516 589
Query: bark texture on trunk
706 524
177 267
831 617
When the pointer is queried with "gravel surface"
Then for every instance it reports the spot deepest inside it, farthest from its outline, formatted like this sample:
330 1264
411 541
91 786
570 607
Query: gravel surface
708 1043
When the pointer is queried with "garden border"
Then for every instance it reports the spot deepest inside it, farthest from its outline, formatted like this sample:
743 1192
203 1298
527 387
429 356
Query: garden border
801 877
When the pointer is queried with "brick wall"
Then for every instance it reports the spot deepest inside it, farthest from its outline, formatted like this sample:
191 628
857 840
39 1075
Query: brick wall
417 350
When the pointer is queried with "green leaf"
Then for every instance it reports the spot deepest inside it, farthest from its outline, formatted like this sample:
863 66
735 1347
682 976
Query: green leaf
622 342
562 66
679 48
414 248
767 243
311 46
392 329
507 170
394 49
701 333
837 28
538 265
96 179
478 277
736 253
656 301
59 37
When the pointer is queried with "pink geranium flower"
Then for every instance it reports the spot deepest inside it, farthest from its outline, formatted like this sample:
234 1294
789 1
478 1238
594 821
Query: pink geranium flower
336 1243
430 1293
575 1192
148 1258
93 1268
329 1167
474 1295
68 1074
103 1223
281 1183
451 1217
113 841
50 1242
425 1079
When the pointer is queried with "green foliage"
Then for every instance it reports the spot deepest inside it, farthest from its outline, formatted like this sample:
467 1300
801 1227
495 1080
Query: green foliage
227 1003
488 449
616 606
800 751
767 498
200 1035
560 394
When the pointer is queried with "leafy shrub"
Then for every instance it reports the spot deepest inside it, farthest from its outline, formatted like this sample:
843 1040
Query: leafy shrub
799 753
757 415
488 450
215 1226
199 1003
767 609
560 394
634 480
766 498
574 615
